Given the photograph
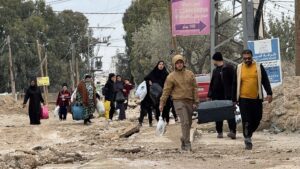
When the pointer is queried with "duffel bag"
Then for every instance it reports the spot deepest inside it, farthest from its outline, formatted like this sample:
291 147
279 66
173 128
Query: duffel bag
77 111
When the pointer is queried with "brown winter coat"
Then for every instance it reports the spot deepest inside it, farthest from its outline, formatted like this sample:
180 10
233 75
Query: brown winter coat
181 85
84 93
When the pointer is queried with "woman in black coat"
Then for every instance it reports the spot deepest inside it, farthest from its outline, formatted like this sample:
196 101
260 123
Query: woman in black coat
109 93
34 95
159 75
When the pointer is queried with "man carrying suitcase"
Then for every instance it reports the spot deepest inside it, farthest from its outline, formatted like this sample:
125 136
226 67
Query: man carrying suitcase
221 89
247 93
181 85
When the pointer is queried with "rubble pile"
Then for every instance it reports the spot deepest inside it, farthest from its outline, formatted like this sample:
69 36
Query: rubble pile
284 112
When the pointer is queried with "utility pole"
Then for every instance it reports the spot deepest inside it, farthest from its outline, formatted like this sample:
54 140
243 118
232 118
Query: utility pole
89 41
12 79
41 64
77 71
297 45
73 66
46 73
248 21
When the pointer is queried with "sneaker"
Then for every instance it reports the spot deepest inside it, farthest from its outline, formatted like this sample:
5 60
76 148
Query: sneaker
231 135
220 135
176 119
248 144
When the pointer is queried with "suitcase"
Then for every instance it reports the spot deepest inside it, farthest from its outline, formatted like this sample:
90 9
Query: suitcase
217 110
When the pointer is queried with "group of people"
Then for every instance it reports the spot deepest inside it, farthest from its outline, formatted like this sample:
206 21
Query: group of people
243 85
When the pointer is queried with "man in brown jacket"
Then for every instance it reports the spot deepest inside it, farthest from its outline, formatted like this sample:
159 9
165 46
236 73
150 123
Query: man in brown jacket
181 85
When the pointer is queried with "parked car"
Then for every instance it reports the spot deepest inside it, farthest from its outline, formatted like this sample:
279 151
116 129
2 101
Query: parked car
203 81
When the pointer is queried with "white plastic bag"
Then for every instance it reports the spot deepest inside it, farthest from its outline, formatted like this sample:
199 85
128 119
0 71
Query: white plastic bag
56 111
238 117
73 96
141 91
161 127
100 107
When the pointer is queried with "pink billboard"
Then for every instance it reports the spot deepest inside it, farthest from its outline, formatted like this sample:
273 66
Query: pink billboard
190 17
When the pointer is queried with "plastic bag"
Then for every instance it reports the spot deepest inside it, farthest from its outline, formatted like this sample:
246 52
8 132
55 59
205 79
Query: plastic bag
100 107
238 117
73 96
56 111
107 108
141 91
44 112
161 127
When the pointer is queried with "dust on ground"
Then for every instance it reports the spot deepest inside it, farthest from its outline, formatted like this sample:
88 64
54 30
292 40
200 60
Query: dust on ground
70 145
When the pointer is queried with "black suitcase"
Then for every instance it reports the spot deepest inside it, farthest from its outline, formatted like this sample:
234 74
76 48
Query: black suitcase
216 110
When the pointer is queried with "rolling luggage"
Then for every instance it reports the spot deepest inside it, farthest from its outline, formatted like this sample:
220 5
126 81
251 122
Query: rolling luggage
216 110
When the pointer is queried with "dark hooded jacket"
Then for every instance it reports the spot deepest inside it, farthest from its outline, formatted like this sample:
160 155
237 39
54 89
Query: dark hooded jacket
181 85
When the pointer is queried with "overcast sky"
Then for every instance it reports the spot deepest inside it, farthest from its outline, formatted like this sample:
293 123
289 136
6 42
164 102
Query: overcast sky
116 34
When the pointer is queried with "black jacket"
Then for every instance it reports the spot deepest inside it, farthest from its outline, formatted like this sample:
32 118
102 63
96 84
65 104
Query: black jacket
221 83
109 91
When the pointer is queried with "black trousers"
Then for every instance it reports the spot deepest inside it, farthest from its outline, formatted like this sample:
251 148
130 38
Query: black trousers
251 111
121 107
231 126
145 109
112 110
63 111
166 111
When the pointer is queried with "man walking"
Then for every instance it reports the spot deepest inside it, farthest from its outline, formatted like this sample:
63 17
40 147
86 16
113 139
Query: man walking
181 85
221 89
248 94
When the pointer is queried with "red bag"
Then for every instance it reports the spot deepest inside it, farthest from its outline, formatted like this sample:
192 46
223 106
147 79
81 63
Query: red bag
44 112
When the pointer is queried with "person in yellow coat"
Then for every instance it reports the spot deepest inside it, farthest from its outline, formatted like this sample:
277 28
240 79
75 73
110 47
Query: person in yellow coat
108 92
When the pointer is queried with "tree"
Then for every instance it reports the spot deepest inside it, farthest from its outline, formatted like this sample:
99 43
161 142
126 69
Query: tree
28 21
284 29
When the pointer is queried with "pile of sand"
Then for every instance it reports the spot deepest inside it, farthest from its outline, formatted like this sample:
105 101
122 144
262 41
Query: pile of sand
9 105
284 112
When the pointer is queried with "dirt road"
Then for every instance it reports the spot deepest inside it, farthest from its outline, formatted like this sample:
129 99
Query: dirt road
71 145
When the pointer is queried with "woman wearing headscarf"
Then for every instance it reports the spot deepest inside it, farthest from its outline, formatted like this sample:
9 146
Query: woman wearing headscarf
109 93
86 95
63 101
120 97
159 75
34 95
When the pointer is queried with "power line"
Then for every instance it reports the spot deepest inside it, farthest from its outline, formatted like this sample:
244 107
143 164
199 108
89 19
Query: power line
98 13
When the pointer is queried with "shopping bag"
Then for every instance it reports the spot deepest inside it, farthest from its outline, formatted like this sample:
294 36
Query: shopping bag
77 112
161 127
107 108
100 107
238 117
44 112
141 91
56 111
73 96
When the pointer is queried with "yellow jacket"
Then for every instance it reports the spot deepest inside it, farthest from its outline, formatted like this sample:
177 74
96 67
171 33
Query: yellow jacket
181 85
